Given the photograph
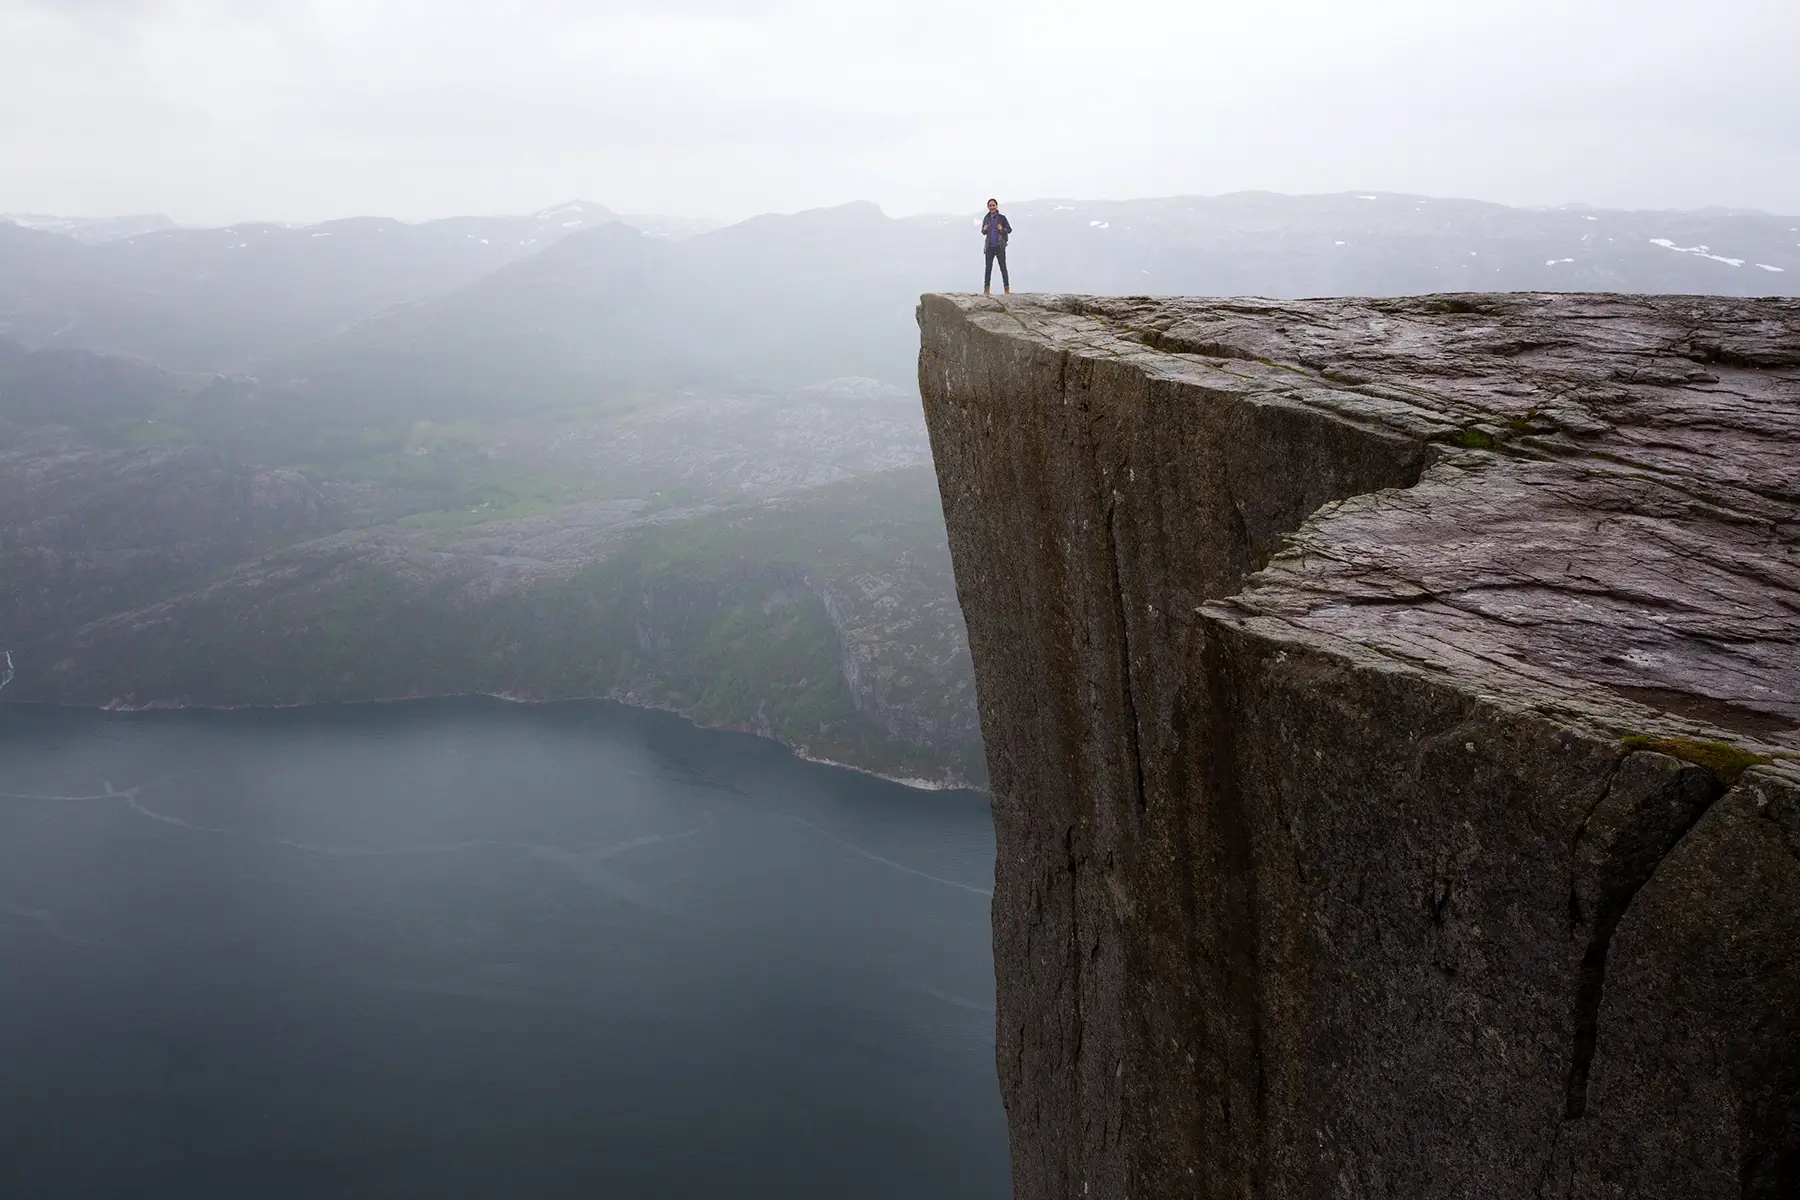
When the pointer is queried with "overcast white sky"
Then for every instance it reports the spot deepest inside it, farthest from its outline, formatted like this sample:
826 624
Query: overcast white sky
221 110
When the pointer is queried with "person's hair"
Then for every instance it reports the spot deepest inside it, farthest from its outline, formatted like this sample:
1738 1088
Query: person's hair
991 200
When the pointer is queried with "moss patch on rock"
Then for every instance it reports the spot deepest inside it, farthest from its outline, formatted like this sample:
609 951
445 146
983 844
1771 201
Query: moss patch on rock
1721 758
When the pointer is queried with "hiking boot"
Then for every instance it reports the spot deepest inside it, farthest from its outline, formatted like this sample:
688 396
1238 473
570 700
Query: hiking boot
985 290
1009 289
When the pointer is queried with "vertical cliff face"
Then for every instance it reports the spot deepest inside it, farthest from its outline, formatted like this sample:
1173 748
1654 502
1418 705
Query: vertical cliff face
1391 710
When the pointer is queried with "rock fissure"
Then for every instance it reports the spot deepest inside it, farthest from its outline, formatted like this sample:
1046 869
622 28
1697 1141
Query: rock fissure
1133 729
1689 793
1072 867
1240 1080
1600 795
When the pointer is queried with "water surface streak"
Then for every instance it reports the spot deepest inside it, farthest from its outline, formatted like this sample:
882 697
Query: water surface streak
466 948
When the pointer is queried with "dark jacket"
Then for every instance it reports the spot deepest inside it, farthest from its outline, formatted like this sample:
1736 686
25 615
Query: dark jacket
988 221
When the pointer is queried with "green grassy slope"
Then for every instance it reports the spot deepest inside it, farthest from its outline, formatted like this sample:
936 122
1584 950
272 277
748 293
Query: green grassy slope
825 620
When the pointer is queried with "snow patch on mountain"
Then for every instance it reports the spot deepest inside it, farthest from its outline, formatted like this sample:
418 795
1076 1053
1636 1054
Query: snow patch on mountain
1702 251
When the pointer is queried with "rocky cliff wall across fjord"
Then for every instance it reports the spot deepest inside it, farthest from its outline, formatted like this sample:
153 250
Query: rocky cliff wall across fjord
1393 715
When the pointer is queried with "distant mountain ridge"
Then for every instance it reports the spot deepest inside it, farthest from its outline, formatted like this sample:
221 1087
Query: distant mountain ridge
93 230
781 300
776 301
247 296
221 299
1376 243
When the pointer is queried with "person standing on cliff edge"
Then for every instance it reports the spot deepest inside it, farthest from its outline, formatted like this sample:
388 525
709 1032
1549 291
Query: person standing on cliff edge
995 229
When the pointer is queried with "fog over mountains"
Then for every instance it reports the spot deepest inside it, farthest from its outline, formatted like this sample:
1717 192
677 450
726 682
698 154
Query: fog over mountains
93 230
228 299
222 299
574 453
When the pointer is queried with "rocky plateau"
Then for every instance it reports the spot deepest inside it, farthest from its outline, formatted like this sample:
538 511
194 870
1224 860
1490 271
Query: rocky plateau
1393 716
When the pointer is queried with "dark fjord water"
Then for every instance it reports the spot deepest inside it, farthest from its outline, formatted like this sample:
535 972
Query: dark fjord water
471 949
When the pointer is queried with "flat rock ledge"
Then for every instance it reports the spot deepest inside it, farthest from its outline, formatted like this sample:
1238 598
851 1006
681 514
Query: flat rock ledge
1393 711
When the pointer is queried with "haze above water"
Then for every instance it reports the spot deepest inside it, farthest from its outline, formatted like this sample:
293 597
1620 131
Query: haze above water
468 949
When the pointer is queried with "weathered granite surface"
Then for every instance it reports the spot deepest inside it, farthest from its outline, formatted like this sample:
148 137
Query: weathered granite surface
1393 713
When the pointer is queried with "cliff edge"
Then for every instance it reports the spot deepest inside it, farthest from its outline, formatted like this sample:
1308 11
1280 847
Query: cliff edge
1393 715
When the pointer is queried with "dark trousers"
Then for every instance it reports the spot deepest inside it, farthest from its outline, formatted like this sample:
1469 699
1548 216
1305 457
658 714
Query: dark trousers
987 277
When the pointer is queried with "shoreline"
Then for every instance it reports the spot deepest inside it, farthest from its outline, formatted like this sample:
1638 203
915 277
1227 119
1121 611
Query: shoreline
950 784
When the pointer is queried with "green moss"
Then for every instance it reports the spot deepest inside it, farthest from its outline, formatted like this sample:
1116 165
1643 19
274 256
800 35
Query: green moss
1288 367
1722 759
1475 439
1525 423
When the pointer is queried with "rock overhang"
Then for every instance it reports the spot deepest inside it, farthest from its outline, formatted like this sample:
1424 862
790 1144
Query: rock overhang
1390 707
1605 524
